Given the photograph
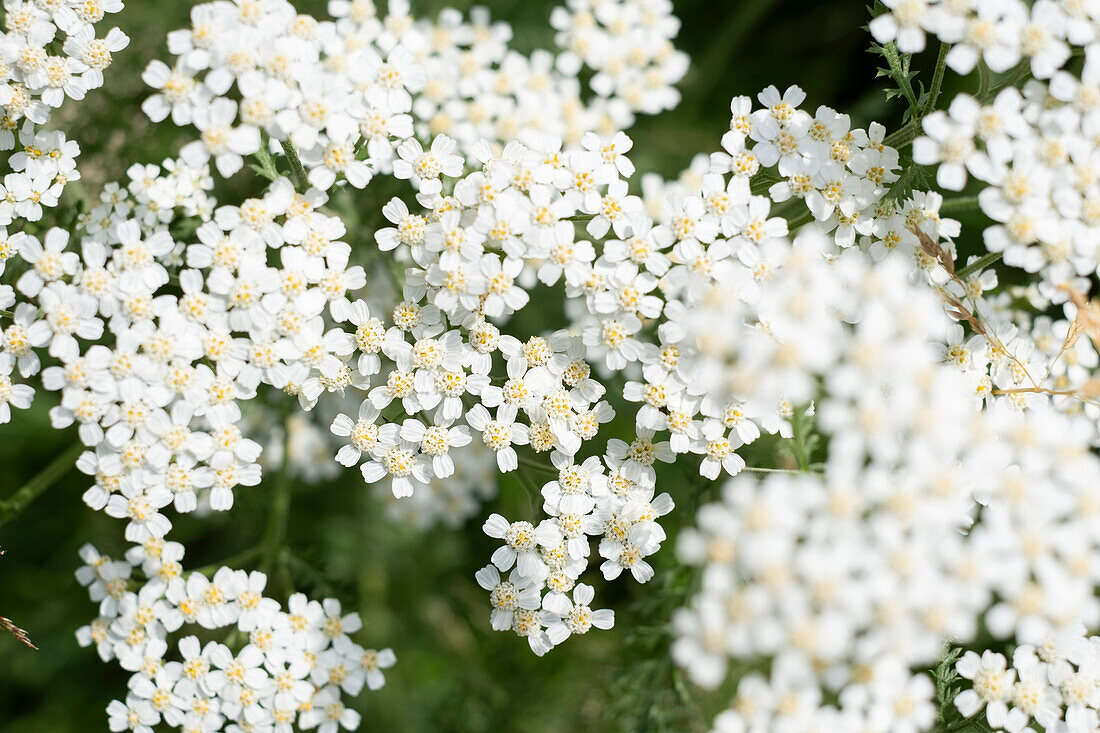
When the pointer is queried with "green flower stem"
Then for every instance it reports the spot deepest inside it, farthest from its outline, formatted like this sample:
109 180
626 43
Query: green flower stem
1013 79
534 493
937 79
904 135
298 173
984 80
900 72
536 465
757 469
38 485
275 534
962 203
979 264
266 167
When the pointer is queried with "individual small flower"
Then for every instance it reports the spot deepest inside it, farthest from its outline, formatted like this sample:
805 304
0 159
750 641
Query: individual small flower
506 596
521 543
425 167
992 686
135 715
220 140
398 458
500 433
372 662
904 22
12 395
564 617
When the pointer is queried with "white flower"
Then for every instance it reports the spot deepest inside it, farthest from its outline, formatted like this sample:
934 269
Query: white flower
992 688
220 139
500 433
575 617
424 167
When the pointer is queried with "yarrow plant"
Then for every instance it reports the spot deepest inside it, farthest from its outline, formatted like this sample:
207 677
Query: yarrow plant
880 450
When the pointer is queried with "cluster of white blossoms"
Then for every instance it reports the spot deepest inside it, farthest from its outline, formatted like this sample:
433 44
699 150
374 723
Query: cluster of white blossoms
1000 33
715 239
839 173
629 47
940 485
39 70
341 91
928 516
34 77
845 578
480 240
1051 683
288 667
199 327
476 88
1033 154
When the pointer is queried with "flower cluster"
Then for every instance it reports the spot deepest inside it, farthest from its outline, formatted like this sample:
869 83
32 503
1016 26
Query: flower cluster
1000 33
479 240
716 240
1051 682
851 577
287 668
341 91
36 79
629 47
840 173
835 571
1033 155
158 406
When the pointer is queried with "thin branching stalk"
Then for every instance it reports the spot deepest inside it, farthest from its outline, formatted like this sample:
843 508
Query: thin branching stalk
47 477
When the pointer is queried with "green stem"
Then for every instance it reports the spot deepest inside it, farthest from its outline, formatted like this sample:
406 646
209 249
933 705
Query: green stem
801 428
762 183
937 79
579 217
756 469
275 533
904 135
983 80
900 71
804 218
961 203
38 485
267 167
979 264
529 483
537 465
298 173
1014 78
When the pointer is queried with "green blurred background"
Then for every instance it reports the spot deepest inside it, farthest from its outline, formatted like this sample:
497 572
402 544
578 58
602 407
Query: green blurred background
415 590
